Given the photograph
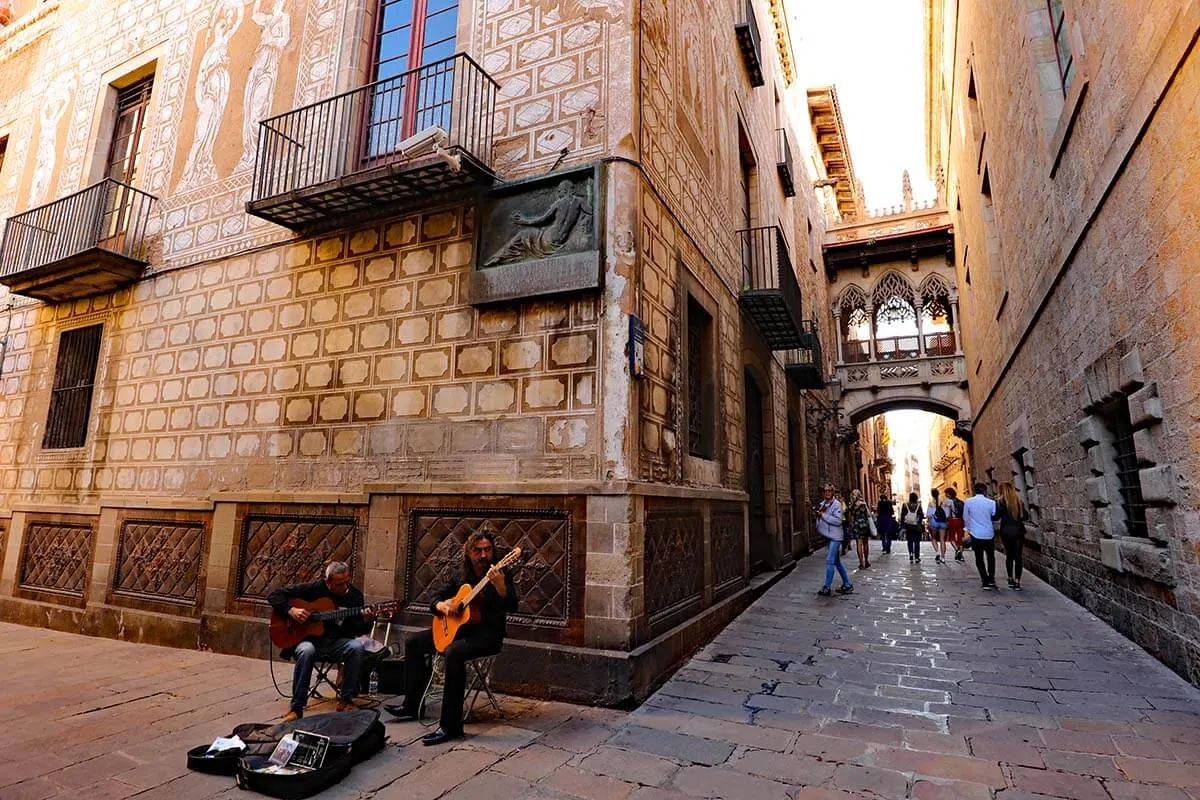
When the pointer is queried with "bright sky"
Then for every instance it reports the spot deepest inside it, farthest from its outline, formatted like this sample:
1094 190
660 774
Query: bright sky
873 52
909 431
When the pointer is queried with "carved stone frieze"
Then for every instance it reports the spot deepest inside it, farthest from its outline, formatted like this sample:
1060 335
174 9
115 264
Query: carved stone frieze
159 559
728 552
674 565
542 576
539 236
55 557
280 550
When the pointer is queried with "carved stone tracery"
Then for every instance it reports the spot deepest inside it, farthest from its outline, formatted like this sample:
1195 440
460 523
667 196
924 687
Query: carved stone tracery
280 550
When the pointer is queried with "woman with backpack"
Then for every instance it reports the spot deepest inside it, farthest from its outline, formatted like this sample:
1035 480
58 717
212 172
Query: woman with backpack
860 527
912 519
1012 532
939 519
954 525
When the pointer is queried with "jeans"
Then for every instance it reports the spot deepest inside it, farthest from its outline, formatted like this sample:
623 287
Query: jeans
1012 555
468 645
833 559
913 537
348 652
984 547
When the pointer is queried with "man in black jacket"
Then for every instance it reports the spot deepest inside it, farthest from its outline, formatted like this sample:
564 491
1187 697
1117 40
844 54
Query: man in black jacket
475 640
337 643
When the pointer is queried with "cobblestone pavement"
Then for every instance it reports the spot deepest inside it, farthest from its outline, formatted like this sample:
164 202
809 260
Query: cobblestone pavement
917 685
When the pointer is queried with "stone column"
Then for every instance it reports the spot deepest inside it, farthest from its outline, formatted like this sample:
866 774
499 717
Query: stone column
871 325
954 326
837 333
920 331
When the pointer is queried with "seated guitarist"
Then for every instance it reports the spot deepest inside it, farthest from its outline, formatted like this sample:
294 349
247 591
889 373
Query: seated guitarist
336 644
473 640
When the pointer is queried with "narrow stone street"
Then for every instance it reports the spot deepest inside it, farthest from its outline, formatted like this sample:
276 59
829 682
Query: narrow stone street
917 685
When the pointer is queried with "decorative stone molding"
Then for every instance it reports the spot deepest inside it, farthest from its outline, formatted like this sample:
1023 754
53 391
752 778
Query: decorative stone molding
1111 378
20 33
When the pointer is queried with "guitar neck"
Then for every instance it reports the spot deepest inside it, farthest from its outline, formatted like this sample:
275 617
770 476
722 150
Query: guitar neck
336 615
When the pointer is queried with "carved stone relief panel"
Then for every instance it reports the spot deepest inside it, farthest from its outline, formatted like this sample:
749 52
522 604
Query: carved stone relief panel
284 549
160 559
542 576
674 567
539 236
728 550
55 557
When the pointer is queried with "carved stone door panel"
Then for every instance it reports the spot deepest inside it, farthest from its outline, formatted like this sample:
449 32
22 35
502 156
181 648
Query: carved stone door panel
56 558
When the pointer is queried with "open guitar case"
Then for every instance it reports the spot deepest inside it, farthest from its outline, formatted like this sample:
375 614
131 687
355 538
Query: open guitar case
354 736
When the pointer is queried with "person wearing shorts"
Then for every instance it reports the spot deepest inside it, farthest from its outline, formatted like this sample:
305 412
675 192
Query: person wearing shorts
938 519
954 525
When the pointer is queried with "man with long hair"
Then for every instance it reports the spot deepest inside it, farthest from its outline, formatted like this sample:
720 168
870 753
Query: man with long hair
474 640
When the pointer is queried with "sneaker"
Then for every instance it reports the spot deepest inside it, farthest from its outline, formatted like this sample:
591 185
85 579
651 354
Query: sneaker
1016 586
292 716
911 559
824 591
958 556
846 589
1011 583
918 559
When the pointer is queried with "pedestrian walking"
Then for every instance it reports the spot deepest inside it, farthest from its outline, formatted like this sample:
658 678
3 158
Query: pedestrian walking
847 530
979 512
1012 532
939 522
885 521
954 526
860 527
912 520
829 524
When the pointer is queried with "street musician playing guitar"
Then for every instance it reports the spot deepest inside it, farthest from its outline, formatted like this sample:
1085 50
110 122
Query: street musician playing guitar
337 641
473 640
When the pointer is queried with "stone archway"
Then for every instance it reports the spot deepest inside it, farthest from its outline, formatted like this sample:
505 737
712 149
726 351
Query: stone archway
947 400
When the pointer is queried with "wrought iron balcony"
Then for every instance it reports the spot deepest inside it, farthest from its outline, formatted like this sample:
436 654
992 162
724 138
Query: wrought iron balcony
770 292
392 146
84 244
785 167
750 42
804 364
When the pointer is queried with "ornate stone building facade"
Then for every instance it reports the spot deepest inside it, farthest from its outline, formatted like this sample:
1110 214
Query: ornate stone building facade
1066 130
311 280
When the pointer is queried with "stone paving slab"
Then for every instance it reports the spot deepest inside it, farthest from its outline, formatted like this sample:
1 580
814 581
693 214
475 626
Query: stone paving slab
918 685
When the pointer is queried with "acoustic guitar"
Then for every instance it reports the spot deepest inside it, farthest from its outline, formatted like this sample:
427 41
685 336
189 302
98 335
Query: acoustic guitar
287 632
445 626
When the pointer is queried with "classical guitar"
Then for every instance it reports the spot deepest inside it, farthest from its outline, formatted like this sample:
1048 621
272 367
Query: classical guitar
445 627
287 632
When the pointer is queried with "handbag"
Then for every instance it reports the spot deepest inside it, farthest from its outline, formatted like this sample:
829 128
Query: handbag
871 525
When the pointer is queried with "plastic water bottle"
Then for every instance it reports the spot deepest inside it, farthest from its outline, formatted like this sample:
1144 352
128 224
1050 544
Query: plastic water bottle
373 682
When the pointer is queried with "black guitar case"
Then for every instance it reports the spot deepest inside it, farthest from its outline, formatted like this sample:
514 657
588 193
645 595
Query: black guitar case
354 736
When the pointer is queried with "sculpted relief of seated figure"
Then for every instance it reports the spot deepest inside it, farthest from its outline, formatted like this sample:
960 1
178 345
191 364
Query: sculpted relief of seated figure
547 233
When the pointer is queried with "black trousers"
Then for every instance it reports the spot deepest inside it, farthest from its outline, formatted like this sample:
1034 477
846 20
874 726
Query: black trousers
983 547
1012 555
419 649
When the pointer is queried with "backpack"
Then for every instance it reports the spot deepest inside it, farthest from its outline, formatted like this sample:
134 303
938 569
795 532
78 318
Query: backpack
939 513
912 516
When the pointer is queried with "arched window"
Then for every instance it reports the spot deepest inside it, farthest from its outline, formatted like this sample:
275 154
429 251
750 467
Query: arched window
937 325
895 319
856 325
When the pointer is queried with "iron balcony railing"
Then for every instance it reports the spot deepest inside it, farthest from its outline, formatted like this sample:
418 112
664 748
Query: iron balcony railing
804 363
896 348
448 105
784 166
770 292
108 215
750 42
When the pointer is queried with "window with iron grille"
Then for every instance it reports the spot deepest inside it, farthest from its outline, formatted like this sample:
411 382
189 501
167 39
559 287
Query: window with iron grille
1024 481
1059 32
1115 417
700 385
128 131
71 398
3 149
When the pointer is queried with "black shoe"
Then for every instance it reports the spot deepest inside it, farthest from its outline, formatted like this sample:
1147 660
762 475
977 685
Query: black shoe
824 592
958 556
846 589
401 713
439 737
918 559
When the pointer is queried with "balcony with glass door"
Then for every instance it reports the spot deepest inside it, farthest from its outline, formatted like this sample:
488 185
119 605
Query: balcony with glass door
87 243
770 294
397 145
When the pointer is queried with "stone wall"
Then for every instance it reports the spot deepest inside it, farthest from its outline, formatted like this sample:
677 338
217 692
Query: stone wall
1087 294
